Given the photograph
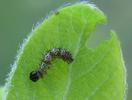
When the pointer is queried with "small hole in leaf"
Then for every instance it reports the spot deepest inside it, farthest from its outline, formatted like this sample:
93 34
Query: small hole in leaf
101 33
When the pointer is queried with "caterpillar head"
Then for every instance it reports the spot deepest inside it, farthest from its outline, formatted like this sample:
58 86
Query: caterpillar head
35 75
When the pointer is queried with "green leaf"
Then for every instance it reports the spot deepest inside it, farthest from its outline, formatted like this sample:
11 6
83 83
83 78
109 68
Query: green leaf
95 74
1 92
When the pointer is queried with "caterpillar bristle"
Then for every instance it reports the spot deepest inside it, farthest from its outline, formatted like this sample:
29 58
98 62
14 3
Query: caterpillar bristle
47 60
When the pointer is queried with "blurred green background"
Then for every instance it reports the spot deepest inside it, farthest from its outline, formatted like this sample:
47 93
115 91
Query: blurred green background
18 17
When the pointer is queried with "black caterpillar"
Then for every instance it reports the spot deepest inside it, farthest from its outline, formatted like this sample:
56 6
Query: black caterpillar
48 58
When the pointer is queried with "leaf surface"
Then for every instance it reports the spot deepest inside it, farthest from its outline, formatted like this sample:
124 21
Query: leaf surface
95 74
1 92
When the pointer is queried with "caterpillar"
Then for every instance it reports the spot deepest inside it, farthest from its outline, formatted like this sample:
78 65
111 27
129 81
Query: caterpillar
52 54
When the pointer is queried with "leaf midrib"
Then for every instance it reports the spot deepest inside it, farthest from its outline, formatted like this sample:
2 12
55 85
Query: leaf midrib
67 87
